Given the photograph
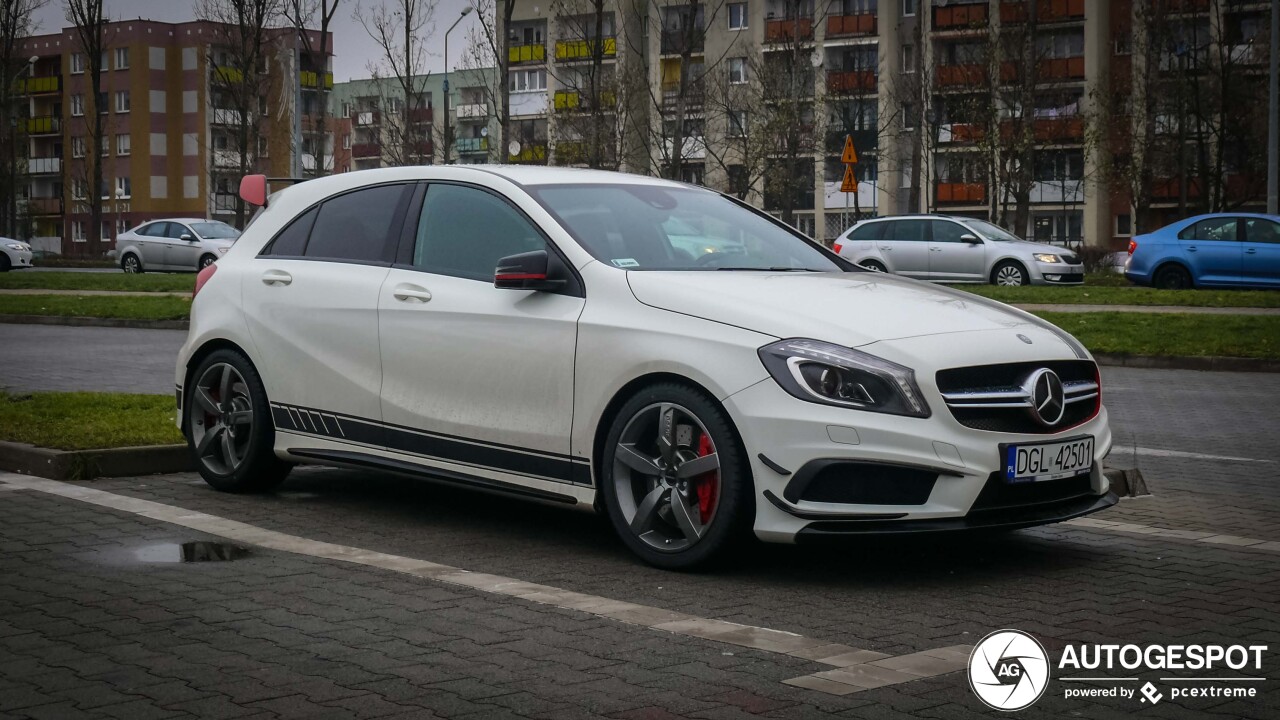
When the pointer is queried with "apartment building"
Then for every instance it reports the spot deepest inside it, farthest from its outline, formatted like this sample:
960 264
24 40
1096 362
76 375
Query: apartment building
374 125
1014 110
169 145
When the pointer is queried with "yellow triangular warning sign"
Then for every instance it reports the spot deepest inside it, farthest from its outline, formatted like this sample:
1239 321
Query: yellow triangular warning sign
850 183
850 156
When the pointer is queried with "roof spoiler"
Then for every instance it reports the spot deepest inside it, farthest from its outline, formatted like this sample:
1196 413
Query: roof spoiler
255 188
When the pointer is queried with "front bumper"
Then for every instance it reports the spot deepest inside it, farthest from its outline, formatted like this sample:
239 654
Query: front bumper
1057 274
784 435
20 259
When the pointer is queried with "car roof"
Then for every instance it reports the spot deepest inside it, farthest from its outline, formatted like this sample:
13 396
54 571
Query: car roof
931 216
179 219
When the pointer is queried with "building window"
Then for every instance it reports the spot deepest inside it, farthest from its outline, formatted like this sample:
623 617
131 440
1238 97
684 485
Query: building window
529 81
737 123
908 58
122 144
738 16
1124 224
106 229
908 116
79 189
122 101
104 146
262 105
124 188
346 141
122 226
77 105
77 147
219 142
77 231
737 71
122 58
262 146
346 110
77 64
103 104
905 175
908 8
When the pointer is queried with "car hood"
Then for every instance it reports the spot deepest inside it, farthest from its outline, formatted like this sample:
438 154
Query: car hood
1028 246
851 309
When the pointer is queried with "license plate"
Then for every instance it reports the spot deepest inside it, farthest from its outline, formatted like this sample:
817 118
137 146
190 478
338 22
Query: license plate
1038 462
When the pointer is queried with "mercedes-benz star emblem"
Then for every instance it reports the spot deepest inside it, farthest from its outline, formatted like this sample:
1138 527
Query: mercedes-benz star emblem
1047 400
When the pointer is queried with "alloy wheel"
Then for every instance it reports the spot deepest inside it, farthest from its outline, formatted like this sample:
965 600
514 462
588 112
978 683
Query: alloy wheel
130 264
220 416
666 474
206 262
1009 275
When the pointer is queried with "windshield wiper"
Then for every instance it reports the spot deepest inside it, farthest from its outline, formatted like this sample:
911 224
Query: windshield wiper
770 269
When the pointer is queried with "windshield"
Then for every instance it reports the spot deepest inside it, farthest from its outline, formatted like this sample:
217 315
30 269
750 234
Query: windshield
643 227
992 232
215 230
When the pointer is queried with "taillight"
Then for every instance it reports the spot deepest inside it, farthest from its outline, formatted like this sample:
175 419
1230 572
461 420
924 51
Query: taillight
203 277
1133 245
837 247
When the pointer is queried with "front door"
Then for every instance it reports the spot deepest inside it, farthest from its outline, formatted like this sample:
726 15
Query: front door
476 379
1213 249
151 243
182 254
951 258
905 247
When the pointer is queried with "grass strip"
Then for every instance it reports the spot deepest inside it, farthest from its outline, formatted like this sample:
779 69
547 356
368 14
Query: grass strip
133 307
84 420
150 282
1169 334
1132 295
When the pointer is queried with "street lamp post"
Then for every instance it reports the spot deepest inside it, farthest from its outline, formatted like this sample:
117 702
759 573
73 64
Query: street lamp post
11 218
447 142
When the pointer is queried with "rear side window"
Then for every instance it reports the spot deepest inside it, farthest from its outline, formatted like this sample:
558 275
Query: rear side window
907 231
869 231
464 231
1221 229
358 225
947 231
292 241
153 230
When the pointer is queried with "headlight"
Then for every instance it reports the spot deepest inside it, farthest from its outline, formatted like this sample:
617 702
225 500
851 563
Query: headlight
16 246
223 250
1047 258
832 375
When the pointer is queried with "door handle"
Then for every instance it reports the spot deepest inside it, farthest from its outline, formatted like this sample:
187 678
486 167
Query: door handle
276 278
1250 251
411 293
886 247
1191 248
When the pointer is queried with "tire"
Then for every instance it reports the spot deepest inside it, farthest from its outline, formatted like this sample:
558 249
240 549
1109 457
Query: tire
875 266
680 522
131 264
5 263
1173 277
1010 273
232 442
206 261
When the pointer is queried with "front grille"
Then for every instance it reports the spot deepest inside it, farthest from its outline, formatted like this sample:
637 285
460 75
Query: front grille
1000 495
993 397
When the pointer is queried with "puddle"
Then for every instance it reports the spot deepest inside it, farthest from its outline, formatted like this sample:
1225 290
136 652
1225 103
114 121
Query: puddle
201 551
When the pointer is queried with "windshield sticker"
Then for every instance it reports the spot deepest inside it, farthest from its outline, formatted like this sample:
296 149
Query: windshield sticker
625 262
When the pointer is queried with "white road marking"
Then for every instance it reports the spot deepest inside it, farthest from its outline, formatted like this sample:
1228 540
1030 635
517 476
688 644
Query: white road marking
1199 536
856 670
1120 451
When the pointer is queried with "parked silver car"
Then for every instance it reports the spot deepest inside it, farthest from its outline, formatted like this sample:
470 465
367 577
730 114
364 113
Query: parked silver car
178 244
947 248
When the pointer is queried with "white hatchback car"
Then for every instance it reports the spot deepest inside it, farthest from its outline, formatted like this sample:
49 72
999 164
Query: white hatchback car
946 248
177 245
537 332
14 254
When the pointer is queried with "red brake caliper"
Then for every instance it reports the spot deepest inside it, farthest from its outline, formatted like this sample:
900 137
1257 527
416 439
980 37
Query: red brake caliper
706 482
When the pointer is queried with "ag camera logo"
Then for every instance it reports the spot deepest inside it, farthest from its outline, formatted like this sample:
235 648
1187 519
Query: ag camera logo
1008 670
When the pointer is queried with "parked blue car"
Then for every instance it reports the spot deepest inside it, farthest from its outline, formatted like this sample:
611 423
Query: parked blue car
1218 250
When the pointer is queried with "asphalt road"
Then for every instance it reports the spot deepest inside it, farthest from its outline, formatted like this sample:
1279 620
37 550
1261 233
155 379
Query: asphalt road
58 358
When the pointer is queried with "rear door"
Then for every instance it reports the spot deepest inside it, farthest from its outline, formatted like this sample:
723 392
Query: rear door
151 244
1213 249
905 245
313 292
182 254
1260 264
951 258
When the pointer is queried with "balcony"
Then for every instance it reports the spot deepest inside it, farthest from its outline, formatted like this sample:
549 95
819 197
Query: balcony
1069 191
365 150
850 81
422 148
531 153
961 193
678 42
309 79
226 75
573 100
44 125
472 145
960 17
224 116
517 54
38 85
420 115
366 118
1061 129
844 25
1061 68
224 202
960 133
864 141
783 30
227 158
972 74
309 162
44 165
693 95
585 49
472 111
1047 11
44 205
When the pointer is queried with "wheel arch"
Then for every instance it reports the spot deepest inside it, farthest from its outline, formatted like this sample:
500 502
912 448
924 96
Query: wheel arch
1168 262
131 250
207 348
1011 260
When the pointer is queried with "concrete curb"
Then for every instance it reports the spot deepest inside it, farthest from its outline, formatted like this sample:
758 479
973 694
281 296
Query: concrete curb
1180 362
94 322
87 464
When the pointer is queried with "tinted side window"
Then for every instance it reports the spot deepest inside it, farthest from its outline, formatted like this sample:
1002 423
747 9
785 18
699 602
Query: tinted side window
153 230
177 230
907 231
1257 230
869 231
358 225
947 231
292 241
1222 229
464 231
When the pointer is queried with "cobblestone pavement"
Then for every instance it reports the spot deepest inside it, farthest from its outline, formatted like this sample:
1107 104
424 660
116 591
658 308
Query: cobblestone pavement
61 358
87 628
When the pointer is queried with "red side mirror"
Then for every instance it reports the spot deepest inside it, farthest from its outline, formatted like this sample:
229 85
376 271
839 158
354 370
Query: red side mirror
253 190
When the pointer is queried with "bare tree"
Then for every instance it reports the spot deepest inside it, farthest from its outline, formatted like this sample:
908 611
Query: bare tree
302 13
488 48
787 79
15 24
90 26
402 29
241 50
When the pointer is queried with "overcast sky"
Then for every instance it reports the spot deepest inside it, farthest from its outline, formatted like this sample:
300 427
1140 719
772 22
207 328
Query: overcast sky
352 47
